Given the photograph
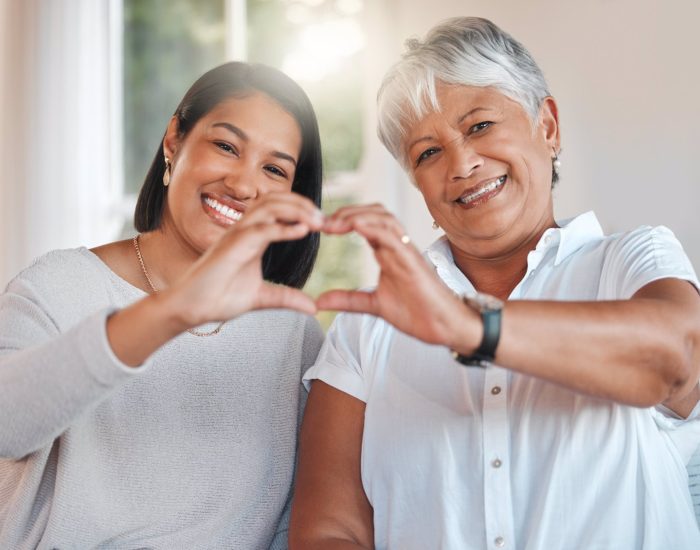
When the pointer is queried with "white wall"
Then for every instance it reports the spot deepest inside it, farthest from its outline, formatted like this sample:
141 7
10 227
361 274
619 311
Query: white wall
627 78
58 181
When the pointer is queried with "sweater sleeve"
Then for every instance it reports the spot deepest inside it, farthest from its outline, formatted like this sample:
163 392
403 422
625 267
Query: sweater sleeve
49 376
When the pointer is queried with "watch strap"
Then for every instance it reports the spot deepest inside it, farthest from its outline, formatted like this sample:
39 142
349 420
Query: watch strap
485 353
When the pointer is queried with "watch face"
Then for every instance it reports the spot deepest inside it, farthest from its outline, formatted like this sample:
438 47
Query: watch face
484 302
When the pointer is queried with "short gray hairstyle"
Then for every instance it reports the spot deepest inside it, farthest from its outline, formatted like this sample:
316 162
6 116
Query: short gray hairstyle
463 50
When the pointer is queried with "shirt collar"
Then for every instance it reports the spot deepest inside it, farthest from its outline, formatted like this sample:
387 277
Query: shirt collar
570 236
574 233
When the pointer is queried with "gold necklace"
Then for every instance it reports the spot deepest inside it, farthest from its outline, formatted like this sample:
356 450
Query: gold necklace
195 332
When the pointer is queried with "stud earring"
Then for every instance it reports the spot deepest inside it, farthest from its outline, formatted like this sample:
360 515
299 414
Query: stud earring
166 174
435 225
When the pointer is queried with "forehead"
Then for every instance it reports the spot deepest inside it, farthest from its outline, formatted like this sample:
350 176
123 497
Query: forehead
457 103
260 117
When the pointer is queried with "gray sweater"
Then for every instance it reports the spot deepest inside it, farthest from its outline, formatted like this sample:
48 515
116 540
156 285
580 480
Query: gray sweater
194 449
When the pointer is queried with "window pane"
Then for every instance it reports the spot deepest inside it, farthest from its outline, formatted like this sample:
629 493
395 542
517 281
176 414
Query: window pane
167 45
319 43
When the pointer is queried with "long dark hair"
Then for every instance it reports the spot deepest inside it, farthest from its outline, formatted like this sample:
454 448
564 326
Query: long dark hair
288 262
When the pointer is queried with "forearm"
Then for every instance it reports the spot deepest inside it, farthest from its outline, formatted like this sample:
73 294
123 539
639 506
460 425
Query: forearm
637 352
43 389
327 544
137 331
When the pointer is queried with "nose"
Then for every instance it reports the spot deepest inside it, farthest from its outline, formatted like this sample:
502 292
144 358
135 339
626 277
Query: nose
246 183
462 159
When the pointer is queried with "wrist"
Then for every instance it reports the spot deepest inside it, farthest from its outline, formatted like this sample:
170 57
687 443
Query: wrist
466 328
175 314
489 310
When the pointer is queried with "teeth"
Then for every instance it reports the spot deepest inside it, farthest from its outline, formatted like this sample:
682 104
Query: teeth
486 189
222 209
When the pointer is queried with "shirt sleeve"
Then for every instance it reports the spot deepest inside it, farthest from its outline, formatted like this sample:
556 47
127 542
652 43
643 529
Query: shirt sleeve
49 377
339 362
684 432
643 256
634 260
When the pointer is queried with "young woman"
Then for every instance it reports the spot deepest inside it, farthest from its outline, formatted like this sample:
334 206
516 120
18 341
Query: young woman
142 404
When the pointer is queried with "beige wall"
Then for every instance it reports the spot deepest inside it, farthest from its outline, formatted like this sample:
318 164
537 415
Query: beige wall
627 78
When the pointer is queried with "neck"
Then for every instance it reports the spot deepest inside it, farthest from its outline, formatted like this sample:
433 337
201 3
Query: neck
498 272
165 257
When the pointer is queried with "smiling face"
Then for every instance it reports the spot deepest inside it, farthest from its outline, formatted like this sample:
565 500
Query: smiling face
242 149
484 172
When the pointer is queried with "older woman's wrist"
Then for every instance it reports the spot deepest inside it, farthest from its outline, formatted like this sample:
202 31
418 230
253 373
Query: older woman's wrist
465 330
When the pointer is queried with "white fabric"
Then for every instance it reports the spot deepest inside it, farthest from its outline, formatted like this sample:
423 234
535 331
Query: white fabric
467 458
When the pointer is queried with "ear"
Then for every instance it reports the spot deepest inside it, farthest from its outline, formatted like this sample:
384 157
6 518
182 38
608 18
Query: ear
171 140
549 123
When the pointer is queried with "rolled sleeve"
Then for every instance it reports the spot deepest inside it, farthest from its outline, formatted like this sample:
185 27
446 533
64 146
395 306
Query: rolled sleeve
338 363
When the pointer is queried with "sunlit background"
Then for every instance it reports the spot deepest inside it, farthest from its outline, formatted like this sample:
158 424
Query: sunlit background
88 87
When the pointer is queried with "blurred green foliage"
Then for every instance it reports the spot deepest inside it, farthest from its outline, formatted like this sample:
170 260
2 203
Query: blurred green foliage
168 44
337 264
337 99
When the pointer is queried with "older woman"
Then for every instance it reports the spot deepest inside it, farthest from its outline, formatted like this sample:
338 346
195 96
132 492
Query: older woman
523 388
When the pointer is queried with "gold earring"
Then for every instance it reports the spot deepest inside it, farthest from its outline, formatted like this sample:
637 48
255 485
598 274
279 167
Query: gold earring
166 174
435 225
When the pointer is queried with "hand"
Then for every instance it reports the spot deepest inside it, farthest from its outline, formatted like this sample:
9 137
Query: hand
409 294
227 280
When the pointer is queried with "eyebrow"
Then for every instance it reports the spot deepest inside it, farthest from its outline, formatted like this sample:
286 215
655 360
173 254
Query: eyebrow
459 121
241 134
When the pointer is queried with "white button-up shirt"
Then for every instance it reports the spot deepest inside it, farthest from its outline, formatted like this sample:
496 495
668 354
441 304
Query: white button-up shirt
460 457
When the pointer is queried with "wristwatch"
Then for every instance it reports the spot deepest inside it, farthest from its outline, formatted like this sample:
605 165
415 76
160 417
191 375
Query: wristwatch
490 309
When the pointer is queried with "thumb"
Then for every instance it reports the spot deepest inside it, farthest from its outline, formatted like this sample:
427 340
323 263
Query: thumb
280 296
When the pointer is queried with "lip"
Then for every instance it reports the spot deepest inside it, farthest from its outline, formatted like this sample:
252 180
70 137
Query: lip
481 193
232 207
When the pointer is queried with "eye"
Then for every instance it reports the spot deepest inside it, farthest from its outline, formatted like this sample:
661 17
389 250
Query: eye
479 127
276 171
429 152
226 147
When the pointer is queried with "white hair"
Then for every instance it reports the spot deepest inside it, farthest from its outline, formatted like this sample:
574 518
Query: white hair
464 50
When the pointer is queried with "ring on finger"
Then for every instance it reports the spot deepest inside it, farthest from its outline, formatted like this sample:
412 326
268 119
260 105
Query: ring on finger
405 239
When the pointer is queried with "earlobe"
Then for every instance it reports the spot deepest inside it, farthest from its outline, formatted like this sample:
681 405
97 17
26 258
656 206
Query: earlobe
549 122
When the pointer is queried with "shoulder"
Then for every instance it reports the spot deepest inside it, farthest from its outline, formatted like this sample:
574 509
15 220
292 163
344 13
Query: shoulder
66 282
654 245
55 268
358 334
645 254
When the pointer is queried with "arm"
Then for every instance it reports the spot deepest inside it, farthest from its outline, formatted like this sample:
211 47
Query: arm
224 283
49 378
330 508
641 351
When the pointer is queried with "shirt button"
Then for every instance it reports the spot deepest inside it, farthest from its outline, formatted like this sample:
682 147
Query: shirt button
496 463
548 239
496 390
499 541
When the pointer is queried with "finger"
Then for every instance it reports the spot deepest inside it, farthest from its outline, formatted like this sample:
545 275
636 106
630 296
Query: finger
388 234
348 300
340 220
284 208
261 235
352 220
279 296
